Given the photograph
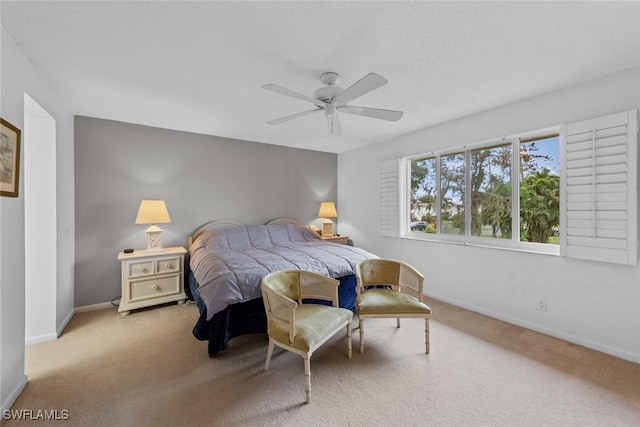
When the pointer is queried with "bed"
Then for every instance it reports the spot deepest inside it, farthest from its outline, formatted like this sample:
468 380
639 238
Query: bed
227 260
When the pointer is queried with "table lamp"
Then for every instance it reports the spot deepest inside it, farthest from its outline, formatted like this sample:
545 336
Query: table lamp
327 210
153 212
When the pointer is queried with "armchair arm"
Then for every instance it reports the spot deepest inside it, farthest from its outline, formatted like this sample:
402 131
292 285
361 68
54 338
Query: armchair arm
317 286
280 308
412 279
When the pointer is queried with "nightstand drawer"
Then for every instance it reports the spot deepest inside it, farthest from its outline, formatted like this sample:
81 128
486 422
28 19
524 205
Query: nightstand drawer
154 288
170 265
140 268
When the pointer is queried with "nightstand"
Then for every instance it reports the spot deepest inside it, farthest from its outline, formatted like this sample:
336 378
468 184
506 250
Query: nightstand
151 278
341 239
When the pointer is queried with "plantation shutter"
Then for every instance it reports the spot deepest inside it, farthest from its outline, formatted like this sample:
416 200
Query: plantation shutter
601 189
389 198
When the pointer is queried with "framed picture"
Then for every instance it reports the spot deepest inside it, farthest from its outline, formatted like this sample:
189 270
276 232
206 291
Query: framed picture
9 159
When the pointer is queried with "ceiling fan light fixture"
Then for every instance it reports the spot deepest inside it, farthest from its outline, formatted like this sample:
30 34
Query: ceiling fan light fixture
330 110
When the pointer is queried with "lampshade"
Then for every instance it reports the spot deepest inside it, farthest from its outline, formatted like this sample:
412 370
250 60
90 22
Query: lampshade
153 212
327 210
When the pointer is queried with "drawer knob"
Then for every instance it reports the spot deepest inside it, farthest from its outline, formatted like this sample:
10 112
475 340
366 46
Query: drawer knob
154 287
168 265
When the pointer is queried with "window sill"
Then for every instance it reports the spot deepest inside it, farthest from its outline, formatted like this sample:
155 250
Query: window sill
489 243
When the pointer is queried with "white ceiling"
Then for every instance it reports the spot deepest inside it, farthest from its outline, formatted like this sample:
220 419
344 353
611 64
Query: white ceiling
198 66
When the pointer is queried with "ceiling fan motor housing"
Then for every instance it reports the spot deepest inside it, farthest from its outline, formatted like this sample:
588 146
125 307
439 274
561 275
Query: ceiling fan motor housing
330 91
327 93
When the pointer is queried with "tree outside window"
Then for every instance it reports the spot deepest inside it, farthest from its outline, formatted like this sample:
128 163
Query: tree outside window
540 190
452 188
491 192
423 195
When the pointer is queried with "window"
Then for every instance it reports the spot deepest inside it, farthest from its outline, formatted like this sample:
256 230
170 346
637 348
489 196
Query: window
423 195
473 190
571 191
491 191
540 190
452 193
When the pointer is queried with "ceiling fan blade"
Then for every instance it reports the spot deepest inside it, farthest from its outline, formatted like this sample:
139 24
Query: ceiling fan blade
292 116
376 113
365 85
288 92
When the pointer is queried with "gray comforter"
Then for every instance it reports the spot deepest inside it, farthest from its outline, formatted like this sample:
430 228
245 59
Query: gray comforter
229 263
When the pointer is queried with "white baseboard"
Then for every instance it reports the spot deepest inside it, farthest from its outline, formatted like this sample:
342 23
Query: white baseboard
93 307
40 338
13 396
622 354
65 322
51 336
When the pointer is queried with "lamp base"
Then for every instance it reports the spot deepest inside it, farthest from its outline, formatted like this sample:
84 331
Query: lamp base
154 243
327 228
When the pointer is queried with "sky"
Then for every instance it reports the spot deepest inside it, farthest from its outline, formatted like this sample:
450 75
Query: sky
549 147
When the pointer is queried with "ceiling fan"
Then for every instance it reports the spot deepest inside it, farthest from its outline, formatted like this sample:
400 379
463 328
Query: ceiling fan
332 99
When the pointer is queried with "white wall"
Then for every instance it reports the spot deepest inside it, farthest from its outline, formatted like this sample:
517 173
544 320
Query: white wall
590 303
39 159
19 76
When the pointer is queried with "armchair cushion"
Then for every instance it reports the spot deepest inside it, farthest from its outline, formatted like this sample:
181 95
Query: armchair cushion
313 324
382 301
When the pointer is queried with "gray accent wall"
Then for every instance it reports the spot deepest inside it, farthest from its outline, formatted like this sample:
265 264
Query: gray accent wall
201 178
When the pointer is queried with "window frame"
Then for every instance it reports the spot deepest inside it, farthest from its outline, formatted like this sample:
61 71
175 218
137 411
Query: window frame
467 239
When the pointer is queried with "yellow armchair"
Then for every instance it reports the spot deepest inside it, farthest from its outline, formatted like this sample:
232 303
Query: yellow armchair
396 280
302 327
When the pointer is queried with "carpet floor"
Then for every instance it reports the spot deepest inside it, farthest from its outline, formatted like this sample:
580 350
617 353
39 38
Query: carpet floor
147 369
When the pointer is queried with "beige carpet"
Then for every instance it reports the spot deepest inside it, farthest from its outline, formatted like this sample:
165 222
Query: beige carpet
148 370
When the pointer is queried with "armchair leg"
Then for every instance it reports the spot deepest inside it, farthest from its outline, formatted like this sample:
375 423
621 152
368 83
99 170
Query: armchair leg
269 353
307 378
426 330
398 321
361 328
349 350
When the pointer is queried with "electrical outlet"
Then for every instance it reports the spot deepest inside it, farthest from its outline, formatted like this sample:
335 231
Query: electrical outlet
542 304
